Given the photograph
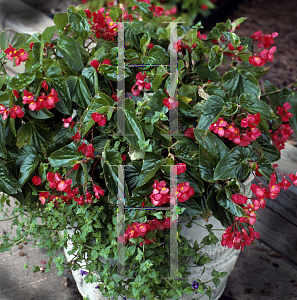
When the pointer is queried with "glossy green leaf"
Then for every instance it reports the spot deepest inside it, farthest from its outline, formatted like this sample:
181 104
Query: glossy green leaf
132 33
212 150
3 151
228 204
58 82
255 105
21 81
156 55
65 156
215 57
8 184
35 133
236 82
79 91
41 114
28 167
269 150
233 164
212 110
192 208
155 103
61 21
78 21
145 40
223 215
132 130
266 167
69 50
204 72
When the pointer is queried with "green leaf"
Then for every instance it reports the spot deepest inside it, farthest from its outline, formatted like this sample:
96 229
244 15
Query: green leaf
156 55
215 57
65 156
8 184
204 71
192 208
151 164
212 150
100 103
212 110
133 130
69 50
61 21
270 151
232 37
132 33
223 215
35 133
41 114
21 81
233 164
28 167
287 95
255 105
110 162
48 34
3 151
228 204
59 84
266 167
78 21
79 91
145 40
155 103
236 82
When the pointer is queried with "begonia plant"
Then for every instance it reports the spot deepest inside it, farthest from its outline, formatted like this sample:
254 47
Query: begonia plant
61 144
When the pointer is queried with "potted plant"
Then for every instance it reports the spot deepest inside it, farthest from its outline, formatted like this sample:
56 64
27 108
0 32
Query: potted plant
73 148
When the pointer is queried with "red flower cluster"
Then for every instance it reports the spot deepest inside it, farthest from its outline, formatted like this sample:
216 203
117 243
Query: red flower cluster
95 63
101 119
13 112
137 229
190 132
171 11
103 26
87 150
170 103
161 193
20 55
56 182
238 239
98 191
231 132
141 84
264 40
283 133
179 168
68 122
43 101
261 58
201 36
179 46
283 112
157 10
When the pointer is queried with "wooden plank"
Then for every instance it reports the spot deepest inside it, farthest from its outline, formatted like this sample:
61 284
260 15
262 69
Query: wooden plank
277 232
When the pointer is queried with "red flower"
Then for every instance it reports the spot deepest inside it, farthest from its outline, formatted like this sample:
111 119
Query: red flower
95 63
68 122
106 62
76 166
179 168
62 185
190 132
98 191
160 193
257 61
77 136
157 10
51 99
16 94
184 191
172 11
88 13
22 55
36 180
89 198
150 46
201 36
123 156
3 111
258 191
43 196
204 6
239 199
44 85
170 103
16 111
101 119
11 52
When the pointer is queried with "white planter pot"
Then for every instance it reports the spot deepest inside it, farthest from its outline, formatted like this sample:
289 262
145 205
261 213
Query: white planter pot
222 259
